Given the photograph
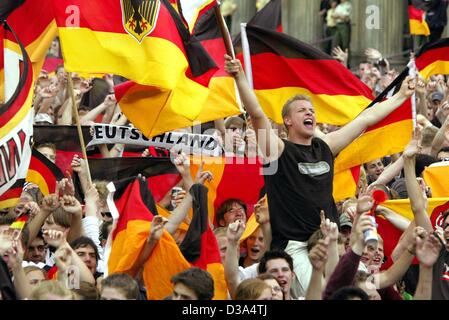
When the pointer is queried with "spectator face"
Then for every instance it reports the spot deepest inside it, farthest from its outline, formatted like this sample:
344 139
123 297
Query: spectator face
48 152
280 269
237 212
378 256
50 224
182 292
276 289
266 295
109 293
364 68
36 251
255 245
301 118
368 255
87 254
35 278
374 169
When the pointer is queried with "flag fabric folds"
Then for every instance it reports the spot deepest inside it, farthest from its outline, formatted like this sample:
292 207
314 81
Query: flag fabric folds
135 207
146 42
283 66
200 246
389 233
270 16
433 58
44 173
389 136
16 130
162 113
417 21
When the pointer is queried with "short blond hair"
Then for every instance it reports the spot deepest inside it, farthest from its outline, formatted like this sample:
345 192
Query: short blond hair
51 287
288 104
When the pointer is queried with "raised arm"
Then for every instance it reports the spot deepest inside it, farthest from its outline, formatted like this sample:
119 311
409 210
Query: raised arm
417 200
231 263
338 140
269 143
318 258
390 172
440 137
263 219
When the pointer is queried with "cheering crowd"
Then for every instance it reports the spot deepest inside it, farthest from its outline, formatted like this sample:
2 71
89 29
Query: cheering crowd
304 245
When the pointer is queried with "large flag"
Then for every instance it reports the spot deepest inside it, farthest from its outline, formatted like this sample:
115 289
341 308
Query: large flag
43 173
433 58
144 41
417 21
345 183
389 136
200 246
436 178
16 129
283 66
133 208
221 101
390 234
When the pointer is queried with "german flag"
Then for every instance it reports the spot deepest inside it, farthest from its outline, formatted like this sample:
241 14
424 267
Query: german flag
283 67
146 42
436 178
417 21
269 17
389 233
12 196
43 173
192 11
16 128
20 222
345 183
433 58
200 246
389 136
221 101
135 208
36 34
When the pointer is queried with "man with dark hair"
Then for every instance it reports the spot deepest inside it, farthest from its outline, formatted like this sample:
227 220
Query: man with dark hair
119 286
279 264
229 211
86 249
193 284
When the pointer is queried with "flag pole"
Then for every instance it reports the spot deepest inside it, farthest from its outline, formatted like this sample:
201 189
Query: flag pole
224 31
246 55
78 125
413 73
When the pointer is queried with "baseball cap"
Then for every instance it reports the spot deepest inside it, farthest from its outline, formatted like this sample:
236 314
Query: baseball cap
437 95
345 221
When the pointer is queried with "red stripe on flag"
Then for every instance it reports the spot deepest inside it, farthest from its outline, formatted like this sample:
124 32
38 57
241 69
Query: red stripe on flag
404 112
432 56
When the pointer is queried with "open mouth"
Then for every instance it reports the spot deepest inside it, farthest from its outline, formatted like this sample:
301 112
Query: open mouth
308 123
254 251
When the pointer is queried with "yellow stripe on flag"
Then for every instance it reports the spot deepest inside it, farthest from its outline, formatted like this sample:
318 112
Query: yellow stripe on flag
403 208
375 144
419 28
344 185
36 178
437 67
437 178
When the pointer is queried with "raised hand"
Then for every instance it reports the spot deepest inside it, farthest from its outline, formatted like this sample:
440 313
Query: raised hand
261 211
6 241
408 87
364 204
428 250
340 55
63 258
71 205
50 202
33 209
328 228
373 54
66 186
110 100
182 164
157 228
235 231
179 197
78 164
413 148
15 255
55 238
318 254
233 66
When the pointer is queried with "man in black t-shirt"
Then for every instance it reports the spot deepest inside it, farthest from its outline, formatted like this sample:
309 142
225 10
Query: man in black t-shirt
299 171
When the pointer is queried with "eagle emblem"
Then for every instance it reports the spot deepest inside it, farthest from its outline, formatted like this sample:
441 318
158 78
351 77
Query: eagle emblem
140 17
